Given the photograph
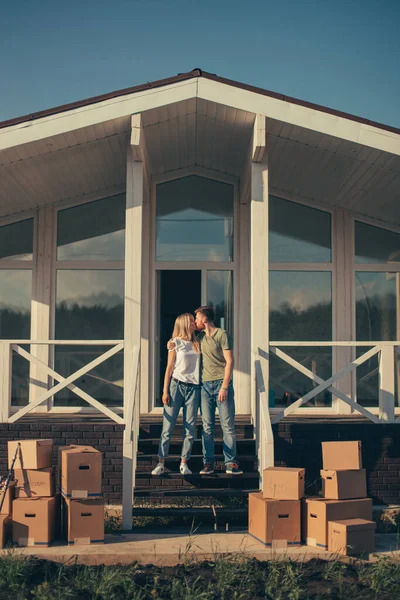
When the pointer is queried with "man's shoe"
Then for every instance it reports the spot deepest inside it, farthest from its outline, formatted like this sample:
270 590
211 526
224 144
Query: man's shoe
207 469
233 469
158 470
184 469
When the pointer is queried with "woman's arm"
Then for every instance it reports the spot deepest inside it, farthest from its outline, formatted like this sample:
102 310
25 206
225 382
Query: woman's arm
167 377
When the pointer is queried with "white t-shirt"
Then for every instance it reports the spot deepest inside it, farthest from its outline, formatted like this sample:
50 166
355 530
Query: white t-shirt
187 363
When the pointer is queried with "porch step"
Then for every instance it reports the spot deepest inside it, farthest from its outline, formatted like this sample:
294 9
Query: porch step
150 428
147 462
149 446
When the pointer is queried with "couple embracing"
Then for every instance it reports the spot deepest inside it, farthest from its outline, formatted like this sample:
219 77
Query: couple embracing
199 374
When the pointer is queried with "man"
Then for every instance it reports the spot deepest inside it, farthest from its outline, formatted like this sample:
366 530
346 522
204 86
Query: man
216 390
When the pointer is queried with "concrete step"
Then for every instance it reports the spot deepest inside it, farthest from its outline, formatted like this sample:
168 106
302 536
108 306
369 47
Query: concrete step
147 462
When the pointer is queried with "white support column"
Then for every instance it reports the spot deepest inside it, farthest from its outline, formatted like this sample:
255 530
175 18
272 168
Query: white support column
5 381
132 333
259 262
41 304
386 384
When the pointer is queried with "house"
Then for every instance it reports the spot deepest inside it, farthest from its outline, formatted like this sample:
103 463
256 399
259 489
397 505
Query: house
121 211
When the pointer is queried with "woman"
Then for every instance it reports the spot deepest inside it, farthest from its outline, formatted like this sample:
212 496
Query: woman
181 390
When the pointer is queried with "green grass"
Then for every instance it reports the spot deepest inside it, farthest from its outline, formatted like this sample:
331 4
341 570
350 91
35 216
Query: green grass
236 578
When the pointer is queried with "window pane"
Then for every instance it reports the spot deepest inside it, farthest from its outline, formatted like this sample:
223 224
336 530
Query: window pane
220 298
15 322
194 220
90 305
16 241
376 245
92 231
300 310
376 319
298 233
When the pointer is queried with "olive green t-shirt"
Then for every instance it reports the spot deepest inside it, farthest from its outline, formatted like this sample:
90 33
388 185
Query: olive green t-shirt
212 354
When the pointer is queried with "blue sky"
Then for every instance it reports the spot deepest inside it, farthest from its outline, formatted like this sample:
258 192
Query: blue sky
343 54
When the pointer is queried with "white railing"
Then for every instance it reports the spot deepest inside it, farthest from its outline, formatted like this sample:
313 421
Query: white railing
8 347
384 351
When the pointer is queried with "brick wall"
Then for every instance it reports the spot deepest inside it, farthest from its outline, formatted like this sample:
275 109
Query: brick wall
298 444
105 437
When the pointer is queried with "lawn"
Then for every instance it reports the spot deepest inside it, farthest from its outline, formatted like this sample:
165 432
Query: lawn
28 578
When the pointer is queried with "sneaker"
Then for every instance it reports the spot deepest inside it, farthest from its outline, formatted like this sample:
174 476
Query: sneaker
207 469
158 470
233 469
184 469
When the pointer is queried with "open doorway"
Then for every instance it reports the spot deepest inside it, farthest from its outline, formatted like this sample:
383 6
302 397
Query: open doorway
179 291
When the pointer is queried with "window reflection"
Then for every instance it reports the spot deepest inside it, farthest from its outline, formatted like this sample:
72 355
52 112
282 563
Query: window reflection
92 231
220 297
376 320
298 233
16 241
90 305
376 245
194 220
15 323
300 310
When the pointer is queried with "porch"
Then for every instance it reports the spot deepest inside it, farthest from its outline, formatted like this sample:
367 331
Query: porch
291 223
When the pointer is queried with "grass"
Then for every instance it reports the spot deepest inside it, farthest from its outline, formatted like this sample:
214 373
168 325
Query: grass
234 578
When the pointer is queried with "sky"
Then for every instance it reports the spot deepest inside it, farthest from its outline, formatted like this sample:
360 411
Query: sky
343 54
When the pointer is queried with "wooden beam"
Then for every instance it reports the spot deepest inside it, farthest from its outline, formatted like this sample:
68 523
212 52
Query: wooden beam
137 137
133 325
259 138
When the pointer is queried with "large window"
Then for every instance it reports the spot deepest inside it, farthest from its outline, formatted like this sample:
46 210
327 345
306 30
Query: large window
300 298
377 301
194 220
16 247
90 297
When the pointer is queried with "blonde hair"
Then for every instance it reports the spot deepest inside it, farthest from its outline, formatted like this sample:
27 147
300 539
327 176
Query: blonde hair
183 332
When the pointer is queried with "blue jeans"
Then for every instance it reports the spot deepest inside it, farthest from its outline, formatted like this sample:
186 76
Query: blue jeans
226 409
187 397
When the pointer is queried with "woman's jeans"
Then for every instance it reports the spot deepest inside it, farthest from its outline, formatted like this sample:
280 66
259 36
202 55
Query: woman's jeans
185 396
226 409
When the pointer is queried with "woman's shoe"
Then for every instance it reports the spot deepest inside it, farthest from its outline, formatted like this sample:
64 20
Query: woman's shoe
184 469
158 470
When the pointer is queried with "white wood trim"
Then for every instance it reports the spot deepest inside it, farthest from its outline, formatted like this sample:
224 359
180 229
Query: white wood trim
285 266
60 386
338 343
63 342
194 266
378 268
259 138
74 388
386 385
14 265
259 260
295 114
194 170
132 324
85 265
41 304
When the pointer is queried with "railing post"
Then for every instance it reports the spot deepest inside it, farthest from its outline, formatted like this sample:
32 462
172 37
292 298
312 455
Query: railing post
5 381
386 384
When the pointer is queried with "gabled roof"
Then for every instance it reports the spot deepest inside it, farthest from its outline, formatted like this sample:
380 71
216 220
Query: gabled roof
184 77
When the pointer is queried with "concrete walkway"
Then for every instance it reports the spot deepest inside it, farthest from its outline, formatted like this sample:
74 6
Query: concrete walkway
171 548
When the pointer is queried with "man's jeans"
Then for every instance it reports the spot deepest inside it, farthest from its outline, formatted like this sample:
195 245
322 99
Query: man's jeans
187 397
226 409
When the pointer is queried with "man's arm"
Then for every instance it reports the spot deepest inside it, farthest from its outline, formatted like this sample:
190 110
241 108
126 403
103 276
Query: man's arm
223 392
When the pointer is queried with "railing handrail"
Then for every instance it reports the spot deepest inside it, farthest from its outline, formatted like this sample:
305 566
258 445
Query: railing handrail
24 342
336 343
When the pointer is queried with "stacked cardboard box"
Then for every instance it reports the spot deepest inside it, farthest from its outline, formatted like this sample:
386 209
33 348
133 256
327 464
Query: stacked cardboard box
34 507
275 513
83 504
341 521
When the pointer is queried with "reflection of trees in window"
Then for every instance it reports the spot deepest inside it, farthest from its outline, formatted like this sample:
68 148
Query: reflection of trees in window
14 323
89 322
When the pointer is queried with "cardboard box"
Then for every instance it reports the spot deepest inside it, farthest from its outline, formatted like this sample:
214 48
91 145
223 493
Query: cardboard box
34 484
274 523
10 495
283 483
84 521
319 511
35 454
81 472
343 485
341 455
33 521
5 530
351 536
